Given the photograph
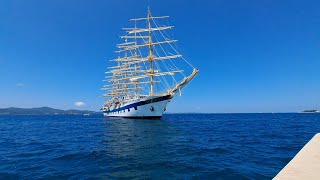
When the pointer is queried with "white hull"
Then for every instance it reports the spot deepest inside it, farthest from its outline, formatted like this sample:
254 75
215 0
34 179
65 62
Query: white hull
138 109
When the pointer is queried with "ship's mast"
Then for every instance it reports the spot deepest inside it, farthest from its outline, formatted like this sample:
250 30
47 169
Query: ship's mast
125 72
150 57
119 73
143 57
135 56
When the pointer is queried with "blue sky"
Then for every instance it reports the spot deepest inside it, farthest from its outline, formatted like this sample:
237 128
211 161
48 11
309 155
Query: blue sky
253 56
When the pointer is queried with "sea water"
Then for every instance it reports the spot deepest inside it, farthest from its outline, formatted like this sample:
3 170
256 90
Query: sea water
180 146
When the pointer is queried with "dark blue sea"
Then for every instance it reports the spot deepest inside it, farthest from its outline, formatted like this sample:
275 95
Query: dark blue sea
180 146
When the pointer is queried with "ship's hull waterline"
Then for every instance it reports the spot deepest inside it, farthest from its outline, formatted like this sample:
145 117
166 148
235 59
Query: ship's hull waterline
149 108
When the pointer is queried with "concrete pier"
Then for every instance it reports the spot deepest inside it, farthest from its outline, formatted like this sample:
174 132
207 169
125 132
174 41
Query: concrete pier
306 164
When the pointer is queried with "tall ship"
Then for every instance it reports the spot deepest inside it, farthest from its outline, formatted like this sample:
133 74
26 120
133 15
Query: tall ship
148 71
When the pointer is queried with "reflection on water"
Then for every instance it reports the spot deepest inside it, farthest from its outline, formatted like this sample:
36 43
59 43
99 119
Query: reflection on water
132 138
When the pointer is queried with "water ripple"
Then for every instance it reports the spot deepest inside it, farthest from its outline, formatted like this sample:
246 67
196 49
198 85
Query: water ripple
181 146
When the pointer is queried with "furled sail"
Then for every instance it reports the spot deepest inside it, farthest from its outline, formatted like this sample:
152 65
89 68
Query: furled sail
148 63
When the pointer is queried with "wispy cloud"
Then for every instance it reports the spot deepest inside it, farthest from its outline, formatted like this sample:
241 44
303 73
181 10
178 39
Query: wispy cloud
80 104
19 84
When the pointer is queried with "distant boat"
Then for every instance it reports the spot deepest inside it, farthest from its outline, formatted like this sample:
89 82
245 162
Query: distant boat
87 114
311 111
145 77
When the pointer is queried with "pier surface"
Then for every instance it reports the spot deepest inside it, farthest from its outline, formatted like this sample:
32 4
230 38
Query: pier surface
306 164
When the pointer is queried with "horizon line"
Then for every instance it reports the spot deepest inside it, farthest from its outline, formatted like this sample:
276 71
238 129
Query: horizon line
166 112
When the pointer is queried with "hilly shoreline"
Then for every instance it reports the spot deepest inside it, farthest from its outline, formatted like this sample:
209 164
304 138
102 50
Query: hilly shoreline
42 111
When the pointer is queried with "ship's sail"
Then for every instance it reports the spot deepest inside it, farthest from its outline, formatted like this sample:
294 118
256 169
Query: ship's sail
148 63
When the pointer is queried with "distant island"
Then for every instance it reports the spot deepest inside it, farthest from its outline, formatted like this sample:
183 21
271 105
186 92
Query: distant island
42 111
311 111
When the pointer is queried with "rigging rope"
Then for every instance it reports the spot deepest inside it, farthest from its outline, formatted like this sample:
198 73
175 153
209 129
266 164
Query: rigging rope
173 47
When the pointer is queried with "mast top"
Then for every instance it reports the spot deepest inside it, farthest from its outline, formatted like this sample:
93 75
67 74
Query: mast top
149 16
